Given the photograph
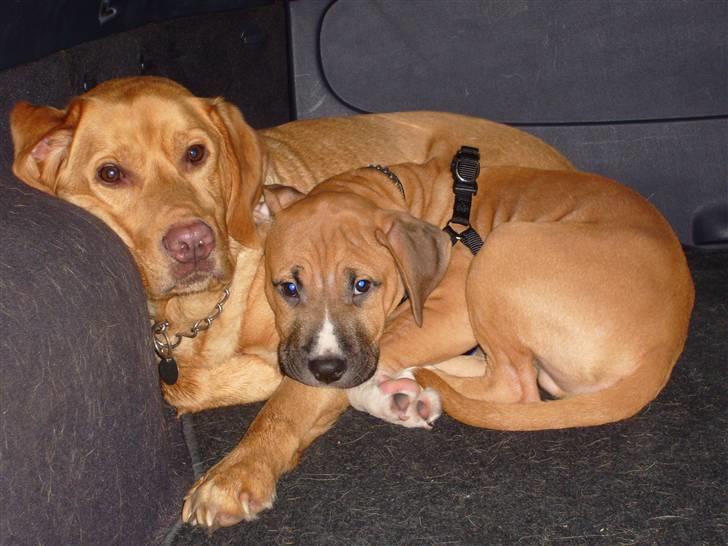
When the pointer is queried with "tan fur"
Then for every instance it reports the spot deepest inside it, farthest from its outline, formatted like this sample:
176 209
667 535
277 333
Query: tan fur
581 289
145 125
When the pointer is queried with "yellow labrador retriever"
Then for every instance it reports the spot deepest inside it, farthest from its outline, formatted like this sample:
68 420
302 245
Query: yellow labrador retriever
178 178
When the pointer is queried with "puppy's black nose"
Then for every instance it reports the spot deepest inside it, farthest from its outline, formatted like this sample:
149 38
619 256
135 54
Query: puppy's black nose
327 370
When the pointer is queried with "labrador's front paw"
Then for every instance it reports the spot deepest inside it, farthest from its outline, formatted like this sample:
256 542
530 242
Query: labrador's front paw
397 399
228 494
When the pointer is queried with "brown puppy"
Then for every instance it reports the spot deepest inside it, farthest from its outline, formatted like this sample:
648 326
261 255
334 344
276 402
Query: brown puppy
178 178
581 289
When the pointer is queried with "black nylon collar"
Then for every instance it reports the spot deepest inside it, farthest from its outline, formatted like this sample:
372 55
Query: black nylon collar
465 169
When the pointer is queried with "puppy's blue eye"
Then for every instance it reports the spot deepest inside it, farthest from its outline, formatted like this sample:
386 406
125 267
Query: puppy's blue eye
361 286
289 289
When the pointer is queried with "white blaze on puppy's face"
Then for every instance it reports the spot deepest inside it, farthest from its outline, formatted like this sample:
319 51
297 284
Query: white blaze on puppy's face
327 344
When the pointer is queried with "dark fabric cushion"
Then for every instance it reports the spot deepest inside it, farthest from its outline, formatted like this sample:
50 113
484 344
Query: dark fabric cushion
90 454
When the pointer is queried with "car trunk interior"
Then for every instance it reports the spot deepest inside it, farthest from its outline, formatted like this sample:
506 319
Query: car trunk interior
658 478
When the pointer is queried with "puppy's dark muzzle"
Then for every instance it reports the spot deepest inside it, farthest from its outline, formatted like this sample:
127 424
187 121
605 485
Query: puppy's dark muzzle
349 368
337 372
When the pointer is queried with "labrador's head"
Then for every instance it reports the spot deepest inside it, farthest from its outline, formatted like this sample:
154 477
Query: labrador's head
337 267
174 175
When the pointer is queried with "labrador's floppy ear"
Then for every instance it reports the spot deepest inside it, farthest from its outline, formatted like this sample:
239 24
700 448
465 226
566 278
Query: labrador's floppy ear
42 136
422 254
246 160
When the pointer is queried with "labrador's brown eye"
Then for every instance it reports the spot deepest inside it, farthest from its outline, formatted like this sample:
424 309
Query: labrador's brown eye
110 173
195 153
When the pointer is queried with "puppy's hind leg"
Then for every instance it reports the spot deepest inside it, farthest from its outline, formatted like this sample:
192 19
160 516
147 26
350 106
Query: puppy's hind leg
471 365
508 371
481 378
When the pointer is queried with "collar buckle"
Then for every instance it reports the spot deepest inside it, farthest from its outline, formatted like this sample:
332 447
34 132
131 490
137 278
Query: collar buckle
465 168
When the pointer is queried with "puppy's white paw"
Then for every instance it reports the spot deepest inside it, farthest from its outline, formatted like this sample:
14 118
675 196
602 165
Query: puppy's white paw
397 399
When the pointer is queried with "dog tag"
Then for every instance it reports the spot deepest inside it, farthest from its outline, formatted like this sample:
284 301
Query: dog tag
168 371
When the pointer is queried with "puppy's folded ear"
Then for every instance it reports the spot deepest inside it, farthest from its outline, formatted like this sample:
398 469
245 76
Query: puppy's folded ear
42 136
277 197
245 163
422 254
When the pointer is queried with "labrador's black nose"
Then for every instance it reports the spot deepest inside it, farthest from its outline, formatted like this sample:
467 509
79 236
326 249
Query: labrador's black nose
327 370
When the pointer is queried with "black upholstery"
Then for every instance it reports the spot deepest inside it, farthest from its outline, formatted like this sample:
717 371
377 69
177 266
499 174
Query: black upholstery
90 454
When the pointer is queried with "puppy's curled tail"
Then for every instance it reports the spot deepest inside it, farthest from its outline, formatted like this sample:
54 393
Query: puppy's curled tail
619 401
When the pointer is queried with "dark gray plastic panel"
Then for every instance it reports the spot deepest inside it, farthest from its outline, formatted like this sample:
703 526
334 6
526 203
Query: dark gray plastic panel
530 62
681 165
312 96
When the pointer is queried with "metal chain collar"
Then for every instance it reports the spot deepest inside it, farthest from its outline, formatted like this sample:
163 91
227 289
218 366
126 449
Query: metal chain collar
162 344
389 174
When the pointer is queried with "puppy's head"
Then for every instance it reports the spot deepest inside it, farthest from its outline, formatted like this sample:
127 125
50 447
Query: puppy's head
336 268
175 176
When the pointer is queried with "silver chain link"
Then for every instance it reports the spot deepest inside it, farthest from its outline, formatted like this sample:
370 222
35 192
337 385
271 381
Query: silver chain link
389 174
162 344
